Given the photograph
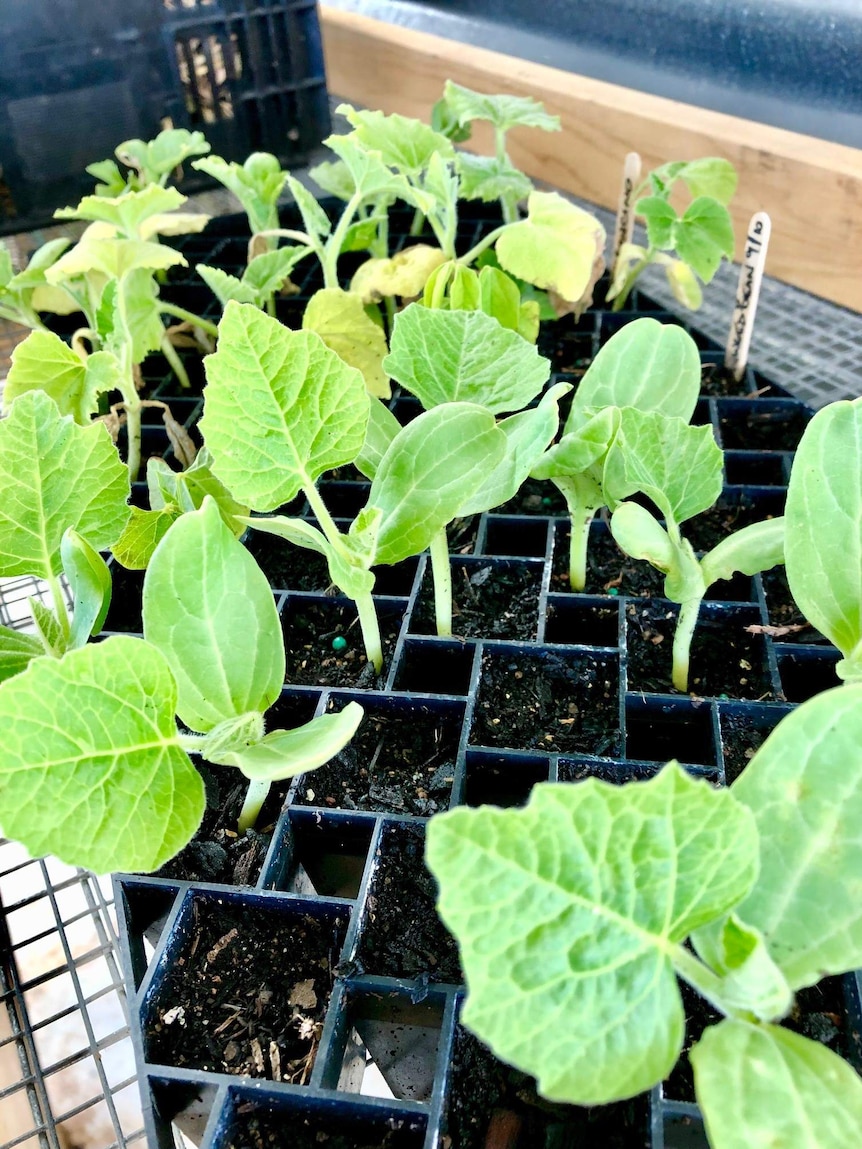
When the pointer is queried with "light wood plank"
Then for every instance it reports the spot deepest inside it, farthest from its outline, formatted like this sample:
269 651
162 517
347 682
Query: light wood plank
812 188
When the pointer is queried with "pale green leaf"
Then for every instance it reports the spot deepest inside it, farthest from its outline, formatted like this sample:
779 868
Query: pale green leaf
487 178
804 787
402 142
341 321
579 450
113 258
710 176
751 982
527 435
7 269
760 1085
137 313
567 913
824 529
17 650
209 609
197 481
555 247
463 356
90 582
405 274
361 235
684 284
755 548
48 627
160 156
500 298
175 223
703 235
226 287
54 475
368 170
126 212
91 769
314 218
660 219
141 535
638 534
44 362
297 531
421 480
268 271
382 429
257 184
286 753
502 111
676 465
280 408
43 258
648 365
333 177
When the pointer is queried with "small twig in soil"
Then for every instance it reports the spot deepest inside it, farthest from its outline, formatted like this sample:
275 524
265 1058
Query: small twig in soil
777 631
503 1130
221 944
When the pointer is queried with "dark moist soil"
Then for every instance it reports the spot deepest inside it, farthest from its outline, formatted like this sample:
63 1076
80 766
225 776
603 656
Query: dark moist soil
402 936
461 534
716 380
534 498
491 1099
252 987
311 629
783 611
818 1013
706 530
290 1131
741 738
287 566
726 661
401 763
763 430
609 570
488 601
550 703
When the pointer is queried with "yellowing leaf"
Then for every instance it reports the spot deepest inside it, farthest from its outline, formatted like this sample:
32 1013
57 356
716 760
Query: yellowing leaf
404 274
341 321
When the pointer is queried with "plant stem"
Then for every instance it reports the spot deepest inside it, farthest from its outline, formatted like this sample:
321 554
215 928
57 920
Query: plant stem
685 625
270 305
418 222
699 977
370 627
476 251
255 796
336 240
189 317
170 353
583 498
631 279
442 571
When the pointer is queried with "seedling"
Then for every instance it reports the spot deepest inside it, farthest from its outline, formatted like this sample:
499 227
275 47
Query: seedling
645 366
698 238
95 768
679 468
149 161
573 915
24 295
824 539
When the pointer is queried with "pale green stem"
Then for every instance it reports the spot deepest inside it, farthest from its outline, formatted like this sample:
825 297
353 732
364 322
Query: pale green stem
170 353
381 243
442 572
287 233
335 241
270 305
475 252
418 222
188 317
685 625
255 797
631 279
500 144
389 304
580 494
370 627
699 977
510 211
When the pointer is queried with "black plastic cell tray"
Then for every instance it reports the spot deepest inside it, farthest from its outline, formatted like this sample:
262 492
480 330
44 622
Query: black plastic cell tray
325 857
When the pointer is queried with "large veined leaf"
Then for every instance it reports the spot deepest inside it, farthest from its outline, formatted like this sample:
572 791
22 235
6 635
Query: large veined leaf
824 529
502 111
676 465
382 429
286 753
421 480
268 271
126 212
368 171
280 408
55 474
648 365
226 287
402 142
569 912
804 787
113 258
555 247
91 768
463 356
405 274
44 362
17 650
488 178
761 1085
345 327
703 235
209 609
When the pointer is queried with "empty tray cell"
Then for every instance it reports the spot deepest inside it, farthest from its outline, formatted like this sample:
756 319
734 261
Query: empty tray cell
396 580
385 1044
618 773
400 761
791 625
242 985
673 728
762 424
576 621
609 570
558 701
502 779
434 666
315 629
144 906
535 497
744 727
682 1127
491 598
124 613
321 854
754 469
806 670
515 535
344 500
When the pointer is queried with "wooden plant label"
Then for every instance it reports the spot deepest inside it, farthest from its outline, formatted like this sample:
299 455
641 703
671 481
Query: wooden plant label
747 294
625 212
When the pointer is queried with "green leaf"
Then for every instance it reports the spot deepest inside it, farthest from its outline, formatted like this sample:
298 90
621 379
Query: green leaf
487 178
555 247
804 787
444 120
91 769
660 219
280 408
527 435
141 535
341 321
402 142
373 179
824 529
160 156
44 362
463 356
113 258
257 184
678 466
209 609
763 1085
286 753
703 235
196 482
382 429
755 548
333 177
48 627
578 451
405 274
43 258
648 365
421 480
361 235
751 982
638 534
268 272
127 212
55 474
503 111
568 913
710 176
137 313
90 581
112 181
226 287
297 531
17 651
501 299
314 218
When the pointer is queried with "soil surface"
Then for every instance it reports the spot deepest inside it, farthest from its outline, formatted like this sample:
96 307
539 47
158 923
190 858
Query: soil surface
400 762
726 661
783 611
716 380
741 738
288 1130
609 570
492 1104
488 601
312 627
763 430
402 936
247 994
706 530
535 498
548 702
